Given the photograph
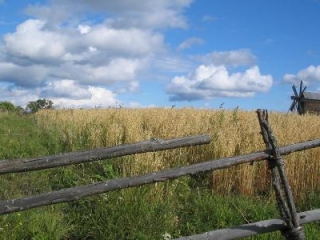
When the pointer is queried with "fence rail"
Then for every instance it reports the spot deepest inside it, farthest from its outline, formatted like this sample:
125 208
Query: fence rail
152 145
76 193
273 154
252 229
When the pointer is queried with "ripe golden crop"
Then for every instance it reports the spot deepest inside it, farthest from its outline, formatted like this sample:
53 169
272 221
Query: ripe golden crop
233 132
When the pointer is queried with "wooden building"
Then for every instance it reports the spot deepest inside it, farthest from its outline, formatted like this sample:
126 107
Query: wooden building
310 102
305 102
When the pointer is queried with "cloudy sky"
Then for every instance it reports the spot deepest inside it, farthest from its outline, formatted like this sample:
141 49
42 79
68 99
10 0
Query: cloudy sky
142 53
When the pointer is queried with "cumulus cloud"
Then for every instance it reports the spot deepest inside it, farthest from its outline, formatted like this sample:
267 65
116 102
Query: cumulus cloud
75 60
219 76
65 88
22 76
100 97
34 43
63 54
188 43
19 96
64 94
83 29
118 69
209 81
124 41
310 74
150 14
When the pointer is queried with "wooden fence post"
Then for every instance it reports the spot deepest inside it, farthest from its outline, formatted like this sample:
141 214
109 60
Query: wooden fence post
280 182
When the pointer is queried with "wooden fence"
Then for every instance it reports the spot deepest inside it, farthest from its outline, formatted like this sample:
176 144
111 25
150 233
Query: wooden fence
289 223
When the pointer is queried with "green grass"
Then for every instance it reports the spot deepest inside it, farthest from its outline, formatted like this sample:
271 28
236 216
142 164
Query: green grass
20 138
181 207
45 223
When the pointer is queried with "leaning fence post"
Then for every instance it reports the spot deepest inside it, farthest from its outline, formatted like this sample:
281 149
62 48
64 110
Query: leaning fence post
280 182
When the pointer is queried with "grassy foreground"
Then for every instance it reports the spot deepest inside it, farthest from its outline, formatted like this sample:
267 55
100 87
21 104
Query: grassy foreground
181 207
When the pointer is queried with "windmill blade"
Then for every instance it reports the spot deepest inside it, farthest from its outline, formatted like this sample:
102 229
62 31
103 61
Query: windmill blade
293 104
295 91
304 89
300 92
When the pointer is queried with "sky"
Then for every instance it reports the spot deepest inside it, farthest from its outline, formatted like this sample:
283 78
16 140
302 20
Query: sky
159 53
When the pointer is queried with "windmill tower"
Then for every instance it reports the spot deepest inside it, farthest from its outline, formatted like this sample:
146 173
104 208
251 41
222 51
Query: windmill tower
303 102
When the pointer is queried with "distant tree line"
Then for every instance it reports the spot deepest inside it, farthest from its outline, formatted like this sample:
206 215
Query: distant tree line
32 106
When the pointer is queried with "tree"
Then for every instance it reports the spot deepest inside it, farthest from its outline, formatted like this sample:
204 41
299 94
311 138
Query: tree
35 106
7 106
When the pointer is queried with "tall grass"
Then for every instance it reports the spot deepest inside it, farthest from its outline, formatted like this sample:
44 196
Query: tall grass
185 206
20 138
233 132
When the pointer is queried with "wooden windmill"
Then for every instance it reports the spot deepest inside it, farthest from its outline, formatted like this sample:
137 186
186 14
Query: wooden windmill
303 102
297 103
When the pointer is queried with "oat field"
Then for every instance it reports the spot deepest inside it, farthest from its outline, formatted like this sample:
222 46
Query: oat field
233 132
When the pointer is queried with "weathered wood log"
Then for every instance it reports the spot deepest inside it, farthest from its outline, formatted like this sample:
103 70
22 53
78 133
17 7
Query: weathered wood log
75 193
253 229
152 145
280 182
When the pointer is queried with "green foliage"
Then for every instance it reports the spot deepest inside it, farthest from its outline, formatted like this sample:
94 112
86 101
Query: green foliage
10 107
21 138
7 106
309 200
35 106
44 224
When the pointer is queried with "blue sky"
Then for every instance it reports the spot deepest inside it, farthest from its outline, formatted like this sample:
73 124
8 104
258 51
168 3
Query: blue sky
187 53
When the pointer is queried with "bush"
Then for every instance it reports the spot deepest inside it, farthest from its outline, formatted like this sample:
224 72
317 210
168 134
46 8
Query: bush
35 106
7 107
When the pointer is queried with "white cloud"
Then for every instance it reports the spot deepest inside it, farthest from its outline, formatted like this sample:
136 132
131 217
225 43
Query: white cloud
124 41
133 86
209 81
65 88
173 64
150 14
310 74
139 105
33 42
100 97
62 53
188 43
119 69
242 57
84 29
17 95
163 18
24 76
64 95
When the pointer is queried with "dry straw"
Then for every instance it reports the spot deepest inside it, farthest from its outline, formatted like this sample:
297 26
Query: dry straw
234 132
